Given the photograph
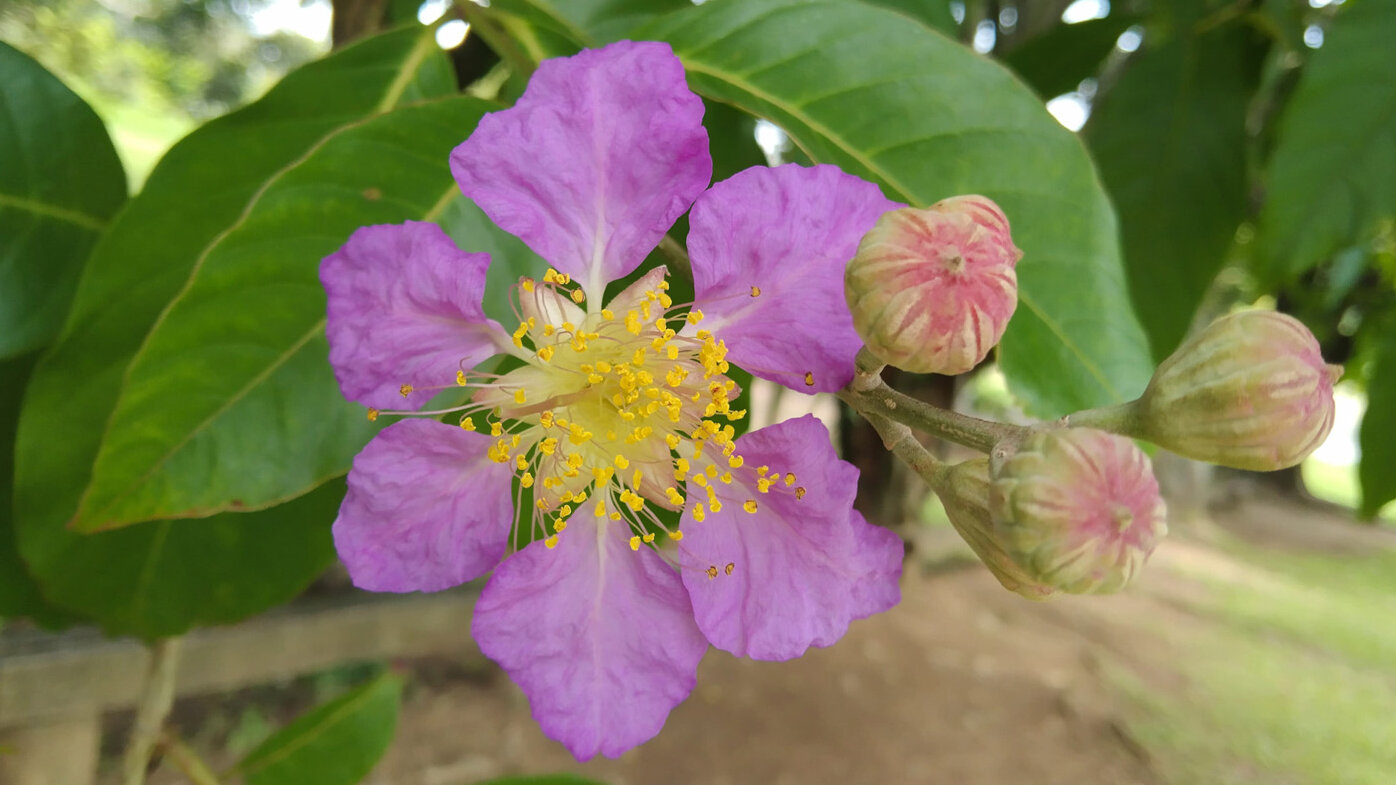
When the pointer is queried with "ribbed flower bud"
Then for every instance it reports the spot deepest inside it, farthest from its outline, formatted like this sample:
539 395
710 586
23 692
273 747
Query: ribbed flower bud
965 494
932 290
1251 391
1077 508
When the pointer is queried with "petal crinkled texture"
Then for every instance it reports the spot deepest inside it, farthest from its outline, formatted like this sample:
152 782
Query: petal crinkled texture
600 638
803 566
404 307
769 248
595 162
426 509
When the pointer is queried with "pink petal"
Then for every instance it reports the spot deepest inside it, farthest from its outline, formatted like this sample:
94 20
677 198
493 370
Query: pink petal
404 307
786 233
600 638
801 568
426 509
595 162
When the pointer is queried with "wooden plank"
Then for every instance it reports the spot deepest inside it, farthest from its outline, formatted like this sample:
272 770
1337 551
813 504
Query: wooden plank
47 677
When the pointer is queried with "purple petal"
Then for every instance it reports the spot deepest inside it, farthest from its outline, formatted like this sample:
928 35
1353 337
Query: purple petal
595 162
801 568
600 638
786 233
405 308
426 509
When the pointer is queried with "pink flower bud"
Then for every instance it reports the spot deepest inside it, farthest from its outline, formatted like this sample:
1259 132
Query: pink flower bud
1251 391
1077 508
932 290
965 494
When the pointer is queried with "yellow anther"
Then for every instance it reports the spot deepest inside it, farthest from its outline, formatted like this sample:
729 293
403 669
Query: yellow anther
762 471
559 525
789 479
575 460
564 511
595 378
639 358
727 478
645 310
372 415
460 378
736 461
672 439
514 440
467 423
676 376
577 296
648 538
527 285
608 314
809 378
712 571
519 397
676 536
622 462
755 291
521 462
711 470
526 480
600 509
675 498
698 513
551 542
665 300
602 474
496 429
714 505
800 492
569 327
632 322
729 568
546 353
672 351
546 419
580 497
405 389
577 434
660 324
543 504
701 480
703 335
763 485
636 478
603 367
663 286
694 316
749 505
548 446
548 330
499 452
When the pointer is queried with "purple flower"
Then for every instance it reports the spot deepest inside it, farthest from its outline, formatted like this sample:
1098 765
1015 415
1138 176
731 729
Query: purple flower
620 408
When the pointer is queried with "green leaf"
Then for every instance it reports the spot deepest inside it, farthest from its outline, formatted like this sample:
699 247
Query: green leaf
337 743
927 118
20 596
1170 139
1377 467
934 13
587 22
196 192
1059 59
1330 178
230 398
60 183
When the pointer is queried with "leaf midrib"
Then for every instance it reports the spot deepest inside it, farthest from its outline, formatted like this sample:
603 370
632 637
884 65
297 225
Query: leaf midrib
316 731
49 210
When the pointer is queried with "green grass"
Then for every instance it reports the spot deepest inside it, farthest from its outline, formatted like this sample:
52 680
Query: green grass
1292 680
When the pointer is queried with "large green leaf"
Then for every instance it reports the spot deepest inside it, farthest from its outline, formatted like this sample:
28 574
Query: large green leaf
337 743
1377 469
935 13
196 192
19 593
230 402
1059 59
1170 139
60 182
926 118
1330 177
587 22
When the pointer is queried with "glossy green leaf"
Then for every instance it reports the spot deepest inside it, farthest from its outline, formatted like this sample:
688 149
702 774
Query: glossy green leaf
1170 140
1330 178
60 183
935 13
19 593
231 400
587 22
337 743
1059 59
196 192
927 118
1377 435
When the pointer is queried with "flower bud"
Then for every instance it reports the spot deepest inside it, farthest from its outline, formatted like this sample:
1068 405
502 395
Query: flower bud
965 494
932 290
1077 508
1251 391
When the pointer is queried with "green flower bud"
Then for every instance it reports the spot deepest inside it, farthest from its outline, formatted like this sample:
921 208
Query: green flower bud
1251 391
1078 509
964 491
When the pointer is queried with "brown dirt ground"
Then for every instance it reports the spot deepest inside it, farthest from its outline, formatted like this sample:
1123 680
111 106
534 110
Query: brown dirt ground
962 683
